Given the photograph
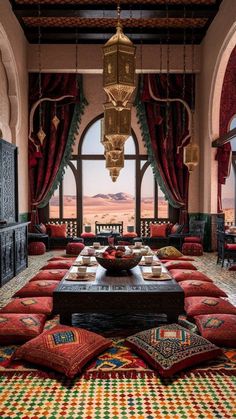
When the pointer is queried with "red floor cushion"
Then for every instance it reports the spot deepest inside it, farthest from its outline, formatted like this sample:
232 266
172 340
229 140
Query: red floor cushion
197 288
74 248
218 328
230 246
63 258
88 235
40 288
192 239
171 348
50 274
40 305
58 264
179 264
185 258
63 348
232 268
17 328
192 249
185 275
195 306
130 234
36 248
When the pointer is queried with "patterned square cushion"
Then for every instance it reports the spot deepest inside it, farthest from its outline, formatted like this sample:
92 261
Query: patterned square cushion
56 230
171 348
195 306
130 234
63 348
50 274
179 264
218 328
17 328
176 228
185 275
58 264
168 252
197 288
158 230
40 305
38 288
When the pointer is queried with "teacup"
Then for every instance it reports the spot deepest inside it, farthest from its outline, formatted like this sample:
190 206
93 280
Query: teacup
148 259
91 251
156 270
138 245
86 260
96 245
81 271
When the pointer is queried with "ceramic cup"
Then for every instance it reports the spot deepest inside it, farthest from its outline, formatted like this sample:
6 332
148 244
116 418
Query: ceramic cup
148 259
138 245
156 270
96 245
86 260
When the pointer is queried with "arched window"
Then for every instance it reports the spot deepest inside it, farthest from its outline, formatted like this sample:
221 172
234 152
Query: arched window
87 193
229 189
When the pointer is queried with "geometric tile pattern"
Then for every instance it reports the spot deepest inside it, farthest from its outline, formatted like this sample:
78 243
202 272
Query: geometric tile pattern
186 397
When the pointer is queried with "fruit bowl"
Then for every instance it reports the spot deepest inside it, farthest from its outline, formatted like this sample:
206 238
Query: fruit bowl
119 264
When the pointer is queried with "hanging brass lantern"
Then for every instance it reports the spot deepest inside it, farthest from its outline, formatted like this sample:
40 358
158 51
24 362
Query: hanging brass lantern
114 165
117 123
119 67
191 156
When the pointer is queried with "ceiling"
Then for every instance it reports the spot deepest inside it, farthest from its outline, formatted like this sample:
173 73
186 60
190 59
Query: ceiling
94 21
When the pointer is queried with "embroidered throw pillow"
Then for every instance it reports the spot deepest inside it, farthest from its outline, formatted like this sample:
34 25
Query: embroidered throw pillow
57 230
179 264
195 306
63 348
218 328
17 328
40 305
130 234
171 348
168 252
38 288
185 275
158 230
50 274
198 288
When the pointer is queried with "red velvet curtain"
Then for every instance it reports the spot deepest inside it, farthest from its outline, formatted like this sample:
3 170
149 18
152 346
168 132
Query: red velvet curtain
227 111
47 160
167 128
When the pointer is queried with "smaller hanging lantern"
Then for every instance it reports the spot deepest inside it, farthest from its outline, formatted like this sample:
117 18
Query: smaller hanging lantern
41 135
191 156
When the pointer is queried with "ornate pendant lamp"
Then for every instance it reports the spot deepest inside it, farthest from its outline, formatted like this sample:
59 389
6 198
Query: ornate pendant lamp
119 67
119 84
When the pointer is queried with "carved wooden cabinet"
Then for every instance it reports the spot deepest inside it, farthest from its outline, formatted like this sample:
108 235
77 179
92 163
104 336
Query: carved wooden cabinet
13 235
13 250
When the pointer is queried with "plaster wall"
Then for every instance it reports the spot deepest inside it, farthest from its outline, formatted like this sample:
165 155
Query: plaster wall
216 49
13 48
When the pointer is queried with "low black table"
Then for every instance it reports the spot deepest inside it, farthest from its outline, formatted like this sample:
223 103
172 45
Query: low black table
126 293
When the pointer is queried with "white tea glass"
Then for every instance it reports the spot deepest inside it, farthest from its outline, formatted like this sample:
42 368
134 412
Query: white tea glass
138 245
96 245
81 271
156 271
148 259
86 260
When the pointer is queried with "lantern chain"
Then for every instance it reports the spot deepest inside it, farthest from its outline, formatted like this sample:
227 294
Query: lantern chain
167 68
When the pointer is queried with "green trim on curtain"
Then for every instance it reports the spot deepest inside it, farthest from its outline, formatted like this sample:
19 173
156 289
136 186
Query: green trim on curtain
142 120
74 127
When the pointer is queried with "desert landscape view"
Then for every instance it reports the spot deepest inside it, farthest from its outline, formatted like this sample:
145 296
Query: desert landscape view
228 208
108 208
